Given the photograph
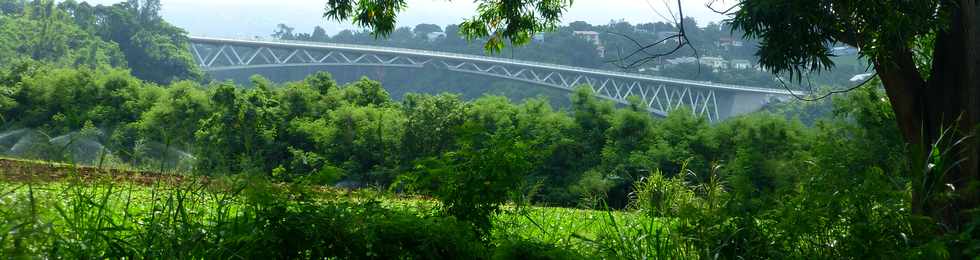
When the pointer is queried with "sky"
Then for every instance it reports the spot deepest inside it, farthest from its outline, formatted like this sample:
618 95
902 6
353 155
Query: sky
247 18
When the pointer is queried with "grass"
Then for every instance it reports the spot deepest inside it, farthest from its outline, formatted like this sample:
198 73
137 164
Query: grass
95 213
575 229
62 212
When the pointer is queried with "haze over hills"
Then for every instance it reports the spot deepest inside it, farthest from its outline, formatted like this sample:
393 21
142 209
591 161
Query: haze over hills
246 18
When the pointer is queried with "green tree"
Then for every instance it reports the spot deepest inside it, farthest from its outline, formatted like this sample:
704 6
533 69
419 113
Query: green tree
424 29
497 21
432 124
366 92
683 140
629 134
474 182
176 117
365 141
284 32
45 33
592 119
8 7
924 52
241 134
319 34
155 50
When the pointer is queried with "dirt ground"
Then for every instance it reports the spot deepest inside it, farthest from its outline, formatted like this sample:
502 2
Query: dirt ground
26 171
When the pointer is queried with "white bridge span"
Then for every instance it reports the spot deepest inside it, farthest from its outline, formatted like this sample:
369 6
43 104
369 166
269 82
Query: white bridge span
659 94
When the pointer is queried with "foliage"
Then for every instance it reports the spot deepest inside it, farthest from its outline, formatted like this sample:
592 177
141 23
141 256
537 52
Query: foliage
474 182
757 186
235 217
129 34
560 45
923 52
526 249
42 32
515 21
155 50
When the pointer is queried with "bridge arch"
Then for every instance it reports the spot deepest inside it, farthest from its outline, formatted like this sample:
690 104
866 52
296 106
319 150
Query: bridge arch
659 94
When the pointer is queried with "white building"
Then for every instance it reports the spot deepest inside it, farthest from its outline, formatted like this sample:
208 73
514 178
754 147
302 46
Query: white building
741 64
726 42
592 37
681 60
714 62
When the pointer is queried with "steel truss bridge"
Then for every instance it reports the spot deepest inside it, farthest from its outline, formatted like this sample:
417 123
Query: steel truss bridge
660 95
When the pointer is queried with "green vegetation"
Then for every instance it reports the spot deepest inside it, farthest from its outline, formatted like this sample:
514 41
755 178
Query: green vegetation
760 185
317 169
560 45
130 35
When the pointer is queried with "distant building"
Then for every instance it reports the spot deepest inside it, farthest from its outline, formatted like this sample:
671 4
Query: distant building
592 37
650 69
680 60
741 64
714 62
725 42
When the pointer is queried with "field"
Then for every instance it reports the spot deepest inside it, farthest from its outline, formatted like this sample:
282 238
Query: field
60 210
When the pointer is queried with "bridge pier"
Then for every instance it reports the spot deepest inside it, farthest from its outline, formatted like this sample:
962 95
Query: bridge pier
731 104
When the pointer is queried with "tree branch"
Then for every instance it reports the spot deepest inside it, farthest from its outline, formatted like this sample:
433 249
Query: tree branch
825 95
626 62
710 6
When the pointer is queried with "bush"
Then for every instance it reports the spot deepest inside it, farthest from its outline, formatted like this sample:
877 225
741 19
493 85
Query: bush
531 250
473 183
357 231
230 218
660 196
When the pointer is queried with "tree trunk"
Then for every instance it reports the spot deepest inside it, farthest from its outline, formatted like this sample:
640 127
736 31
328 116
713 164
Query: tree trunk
926 108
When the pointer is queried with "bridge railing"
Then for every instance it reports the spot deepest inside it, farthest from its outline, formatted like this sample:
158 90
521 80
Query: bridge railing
509 61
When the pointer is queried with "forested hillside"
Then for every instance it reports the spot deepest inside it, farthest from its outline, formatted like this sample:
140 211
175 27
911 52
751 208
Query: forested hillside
618 40
125 35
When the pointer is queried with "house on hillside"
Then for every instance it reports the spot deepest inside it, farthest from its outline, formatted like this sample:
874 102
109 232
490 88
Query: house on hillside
593 37
679 60
740 64
726 42
714 62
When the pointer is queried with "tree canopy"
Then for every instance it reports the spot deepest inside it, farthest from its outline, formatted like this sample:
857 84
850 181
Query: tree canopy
130 34
497 21
924 51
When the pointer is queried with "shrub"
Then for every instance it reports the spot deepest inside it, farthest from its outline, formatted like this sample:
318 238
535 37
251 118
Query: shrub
660 196
474 182
531 250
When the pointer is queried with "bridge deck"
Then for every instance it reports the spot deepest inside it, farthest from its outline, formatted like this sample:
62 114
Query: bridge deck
477 58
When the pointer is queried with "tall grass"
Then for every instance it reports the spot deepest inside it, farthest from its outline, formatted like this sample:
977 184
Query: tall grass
231 218
681 216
